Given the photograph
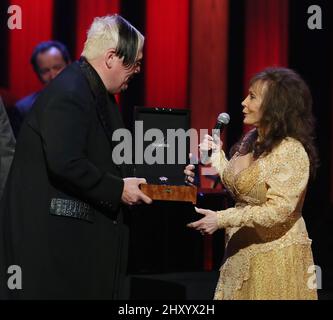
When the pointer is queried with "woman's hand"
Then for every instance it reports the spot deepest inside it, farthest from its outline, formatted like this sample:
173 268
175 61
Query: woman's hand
206 225
189 173
209 144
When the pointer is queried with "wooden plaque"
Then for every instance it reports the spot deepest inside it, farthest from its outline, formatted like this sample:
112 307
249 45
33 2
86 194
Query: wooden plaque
170 193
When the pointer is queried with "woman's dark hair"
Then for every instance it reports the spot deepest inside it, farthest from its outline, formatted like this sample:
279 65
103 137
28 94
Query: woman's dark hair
287 112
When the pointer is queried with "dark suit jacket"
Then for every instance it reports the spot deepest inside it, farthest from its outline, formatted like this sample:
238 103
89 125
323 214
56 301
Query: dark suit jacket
20 111
24 105
7 146
61 211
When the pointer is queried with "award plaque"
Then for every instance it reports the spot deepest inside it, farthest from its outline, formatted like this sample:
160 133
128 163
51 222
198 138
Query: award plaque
170 193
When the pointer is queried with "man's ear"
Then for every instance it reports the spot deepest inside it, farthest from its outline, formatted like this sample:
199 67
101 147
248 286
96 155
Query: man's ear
110 56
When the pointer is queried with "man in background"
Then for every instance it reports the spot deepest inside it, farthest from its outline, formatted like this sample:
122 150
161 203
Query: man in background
48 59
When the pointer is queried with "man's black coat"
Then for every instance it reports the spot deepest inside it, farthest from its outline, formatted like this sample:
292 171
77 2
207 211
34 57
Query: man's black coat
61 217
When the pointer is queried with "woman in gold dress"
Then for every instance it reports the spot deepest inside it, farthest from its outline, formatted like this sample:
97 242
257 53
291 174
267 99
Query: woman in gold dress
267 249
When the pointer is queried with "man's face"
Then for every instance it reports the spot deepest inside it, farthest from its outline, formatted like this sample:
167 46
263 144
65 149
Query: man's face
122 75
50 63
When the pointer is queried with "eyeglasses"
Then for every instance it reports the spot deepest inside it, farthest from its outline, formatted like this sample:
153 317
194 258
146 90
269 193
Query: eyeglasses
135 66
137 63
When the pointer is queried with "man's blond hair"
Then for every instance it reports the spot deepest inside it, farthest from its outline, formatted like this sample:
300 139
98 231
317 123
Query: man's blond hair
113 32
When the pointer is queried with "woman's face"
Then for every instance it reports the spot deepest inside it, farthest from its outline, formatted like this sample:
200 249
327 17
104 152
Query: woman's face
252 104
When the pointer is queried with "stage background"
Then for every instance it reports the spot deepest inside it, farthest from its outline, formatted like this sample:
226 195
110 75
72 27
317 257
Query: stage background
199 54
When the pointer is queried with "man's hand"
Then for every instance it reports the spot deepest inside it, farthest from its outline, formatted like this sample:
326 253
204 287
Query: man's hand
132 194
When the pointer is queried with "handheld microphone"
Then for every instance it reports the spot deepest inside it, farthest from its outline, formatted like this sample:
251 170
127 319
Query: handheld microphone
222 120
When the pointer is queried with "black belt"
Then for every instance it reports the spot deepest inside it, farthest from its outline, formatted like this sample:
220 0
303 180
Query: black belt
72 208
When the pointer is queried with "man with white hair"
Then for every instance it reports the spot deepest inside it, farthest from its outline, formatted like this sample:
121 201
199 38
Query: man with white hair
62 209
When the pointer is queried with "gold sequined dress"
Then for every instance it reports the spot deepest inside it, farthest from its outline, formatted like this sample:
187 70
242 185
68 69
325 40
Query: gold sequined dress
267 249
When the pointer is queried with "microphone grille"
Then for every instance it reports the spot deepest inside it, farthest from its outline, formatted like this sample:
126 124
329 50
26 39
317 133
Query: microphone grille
224 118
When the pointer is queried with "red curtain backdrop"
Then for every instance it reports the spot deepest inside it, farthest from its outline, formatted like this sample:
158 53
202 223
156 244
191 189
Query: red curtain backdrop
209 61
208 75
266 35
209 64
87 10
36 27
166 53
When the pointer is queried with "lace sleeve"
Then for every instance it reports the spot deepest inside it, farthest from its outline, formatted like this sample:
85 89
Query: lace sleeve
286 178
219 161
